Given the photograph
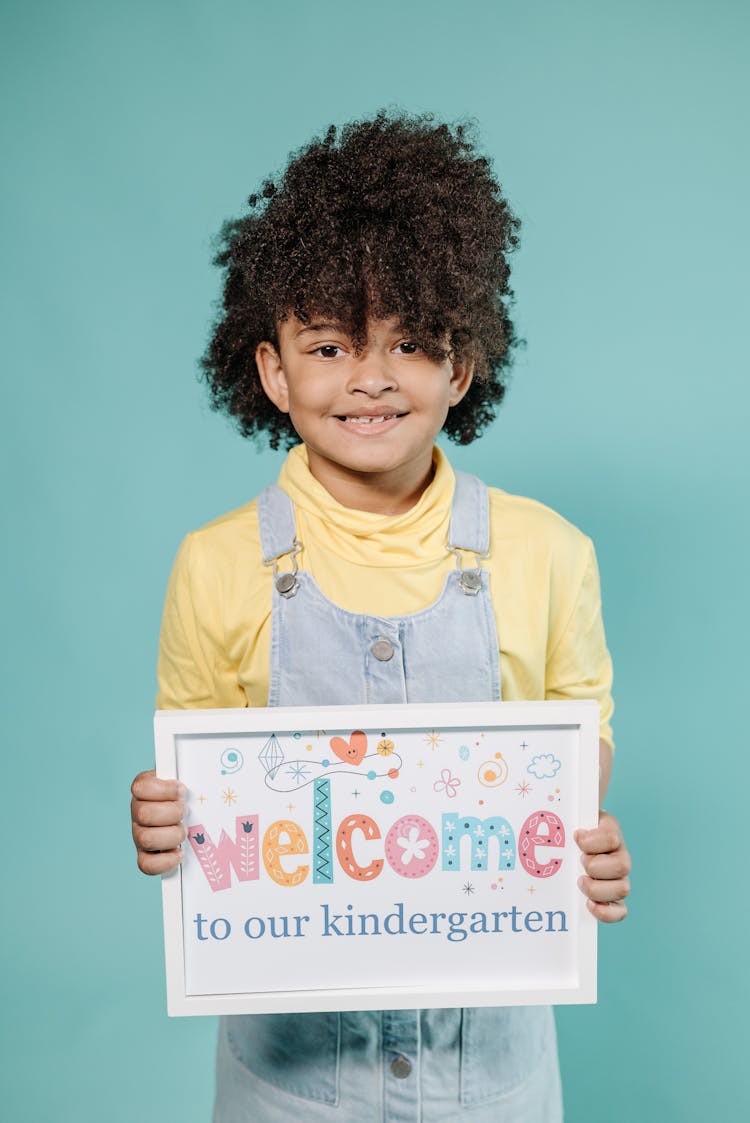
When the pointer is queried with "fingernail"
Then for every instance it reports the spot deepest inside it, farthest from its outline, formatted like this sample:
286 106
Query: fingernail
580 883
181 790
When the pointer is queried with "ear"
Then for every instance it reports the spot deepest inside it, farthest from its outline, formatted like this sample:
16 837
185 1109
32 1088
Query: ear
463 373
271 374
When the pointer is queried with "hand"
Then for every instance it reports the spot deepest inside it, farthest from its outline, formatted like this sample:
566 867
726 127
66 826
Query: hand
157 809
607 865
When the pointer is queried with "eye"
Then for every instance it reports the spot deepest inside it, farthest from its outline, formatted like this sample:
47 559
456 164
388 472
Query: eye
409 347
328 351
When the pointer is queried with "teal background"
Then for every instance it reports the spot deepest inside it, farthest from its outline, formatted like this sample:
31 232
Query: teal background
130 132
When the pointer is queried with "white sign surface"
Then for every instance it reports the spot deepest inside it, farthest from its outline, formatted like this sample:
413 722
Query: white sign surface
380 856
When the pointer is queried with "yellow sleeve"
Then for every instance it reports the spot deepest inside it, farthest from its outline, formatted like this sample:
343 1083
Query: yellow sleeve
579 664
193 671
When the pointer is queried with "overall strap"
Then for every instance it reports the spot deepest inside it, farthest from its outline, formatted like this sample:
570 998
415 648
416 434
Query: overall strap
470 517
276 523
469 526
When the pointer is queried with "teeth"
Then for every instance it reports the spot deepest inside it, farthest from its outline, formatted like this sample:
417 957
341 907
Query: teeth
369 420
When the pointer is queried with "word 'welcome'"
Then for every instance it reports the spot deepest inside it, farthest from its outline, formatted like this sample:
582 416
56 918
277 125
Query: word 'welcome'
411 847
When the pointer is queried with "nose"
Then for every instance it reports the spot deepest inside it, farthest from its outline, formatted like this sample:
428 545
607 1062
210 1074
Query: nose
372 374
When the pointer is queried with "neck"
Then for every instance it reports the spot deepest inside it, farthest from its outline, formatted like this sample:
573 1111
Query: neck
378 493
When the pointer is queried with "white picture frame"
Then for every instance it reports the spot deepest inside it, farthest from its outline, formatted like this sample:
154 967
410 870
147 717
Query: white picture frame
286 921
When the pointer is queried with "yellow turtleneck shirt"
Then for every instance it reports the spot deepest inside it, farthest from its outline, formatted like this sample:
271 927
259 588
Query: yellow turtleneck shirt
216 629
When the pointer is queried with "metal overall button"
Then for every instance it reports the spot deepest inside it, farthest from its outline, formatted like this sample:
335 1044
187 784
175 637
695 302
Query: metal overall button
382 649
470 581
287 584
401 1067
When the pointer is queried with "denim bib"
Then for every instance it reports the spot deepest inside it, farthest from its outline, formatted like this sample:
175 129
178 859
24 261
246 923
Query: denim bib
390 1066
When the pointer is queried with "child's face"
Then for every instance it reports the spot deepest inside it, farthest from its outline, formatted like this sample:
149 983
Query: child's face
369 419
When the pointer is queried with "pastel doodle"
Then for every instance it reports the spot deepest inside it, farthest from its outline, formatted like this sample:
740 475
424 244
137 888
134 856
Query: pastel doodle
231 761
352 751
271 756
544 766
296 774
447 783
493 773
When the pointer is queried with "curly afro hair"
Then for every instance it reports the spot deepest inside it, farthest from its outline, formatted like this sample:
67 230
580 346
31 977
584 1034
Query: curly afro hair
396 216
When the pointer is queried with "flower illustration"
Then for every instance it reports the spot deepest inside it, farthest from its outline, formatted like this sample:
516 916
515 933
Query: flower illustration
413 846
447 783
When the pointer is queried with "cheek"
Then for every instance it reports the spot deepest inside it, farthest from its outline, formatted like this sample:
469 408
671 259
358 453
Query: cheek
306 405
300 398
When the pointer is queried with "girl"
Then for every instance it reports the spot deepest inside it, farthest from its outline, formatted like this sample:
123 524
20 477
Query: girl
365 310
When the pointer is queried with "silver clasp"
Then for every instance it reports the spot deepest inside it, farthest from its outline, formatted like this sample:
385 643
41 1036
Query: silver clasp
470 579
286 582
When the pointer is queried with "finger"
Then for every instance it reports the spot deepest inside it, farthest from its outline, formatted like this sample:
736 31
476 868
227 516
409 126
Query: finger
611 913
159 863
604 892
151 814
602 839
147 786
155 839
607 867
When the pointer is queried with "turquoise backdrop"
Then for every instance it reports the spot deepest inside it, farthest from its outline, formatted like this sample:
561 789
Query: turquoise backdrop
131 130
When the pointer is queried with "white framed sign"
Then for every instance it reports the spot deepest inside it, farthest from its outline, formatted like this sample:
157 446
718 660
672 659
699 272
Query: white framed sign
380 857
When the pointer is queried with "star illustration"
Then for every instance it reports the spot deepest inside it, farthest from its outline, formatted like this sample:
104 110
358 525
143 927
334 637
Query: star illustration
468 889
229 796
433 739
290 806
532 889
202 798
523 789
298 772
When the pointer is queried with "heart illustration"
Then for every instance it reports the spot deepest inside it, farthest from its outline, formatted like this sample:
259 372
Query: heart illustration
351 751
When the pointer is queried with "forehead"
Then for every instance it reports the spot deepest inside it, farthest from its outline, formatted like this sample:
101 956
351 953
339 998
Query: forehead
294 329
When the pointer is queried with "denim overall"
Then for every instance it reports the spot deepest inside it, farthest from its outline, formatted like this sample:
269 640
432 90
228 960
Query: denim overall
391 1066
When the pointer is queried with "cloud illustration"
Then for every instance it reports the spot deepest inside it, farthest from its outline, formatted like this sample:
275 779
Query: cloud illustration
544 767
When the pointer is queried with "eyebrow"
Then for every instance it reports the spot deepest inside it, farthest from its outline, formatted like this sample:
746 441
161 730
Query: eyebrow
319 326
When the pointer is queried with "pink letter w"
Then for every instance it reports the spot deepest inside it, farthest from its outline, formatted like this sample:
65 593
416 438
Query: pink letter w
215 860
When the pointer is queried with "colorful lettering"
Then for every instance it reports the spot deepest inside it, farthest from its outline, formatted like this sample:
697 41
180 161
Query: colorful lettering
322 833
530 838
345 852
480 831
241 854
411 846
274 849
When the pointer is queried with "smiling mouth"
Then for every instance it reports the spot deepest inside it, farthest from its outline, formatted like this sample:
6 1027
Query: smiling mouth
368 420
